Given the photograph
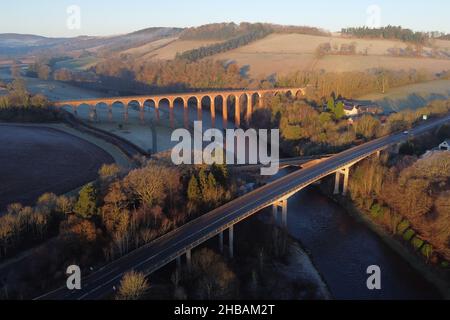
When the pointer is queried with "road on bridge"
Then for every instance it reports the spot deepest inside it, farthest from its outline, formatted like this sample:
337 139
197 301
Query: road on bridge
165 249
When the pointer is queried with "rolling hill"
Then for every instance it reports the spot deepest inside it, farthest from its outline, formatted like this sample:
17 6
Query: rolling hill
284 50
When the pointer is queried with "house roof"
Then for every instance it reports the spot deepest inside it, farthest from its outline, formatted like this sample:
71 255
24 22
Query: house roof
350 107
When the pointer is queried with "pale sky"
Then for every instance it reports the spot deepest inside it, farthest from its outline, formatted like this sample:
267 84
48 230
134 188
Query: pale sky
103 17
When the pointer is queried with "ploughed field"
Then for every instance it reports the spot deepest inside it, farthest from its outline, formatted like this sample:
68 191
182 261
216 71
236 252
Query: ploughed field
35 160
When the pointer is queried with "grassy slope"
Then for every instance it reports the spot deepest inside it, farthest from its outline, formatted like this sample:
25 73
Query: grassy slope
165 49
283 53
411 96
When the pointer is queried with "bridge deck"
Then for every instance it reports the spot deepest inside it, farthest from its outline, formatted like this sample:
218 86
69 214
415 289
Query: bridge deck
172 96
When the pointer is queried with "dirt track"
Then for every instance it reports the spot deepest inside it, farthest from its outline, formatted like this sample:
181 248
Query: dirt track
35 160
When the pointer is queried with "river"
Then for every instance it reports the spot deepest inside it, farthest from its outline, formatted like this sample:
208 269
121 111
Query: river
342 248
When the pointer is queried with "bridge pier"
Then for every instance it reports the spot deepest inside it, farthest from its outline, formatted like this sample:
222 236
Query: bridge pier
93 113
188 259
110 113
157 113
283 204
142 114
224 113
171 114
237 112
275 212
231 241
186 117
199 109
125 114
249 108
346 176
221 242
336 182
345 172
186 113
213 111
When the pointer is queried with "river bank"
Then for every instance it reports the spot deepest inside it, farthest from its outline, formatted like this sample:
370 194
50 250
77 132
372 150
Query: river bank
268 264
438 279
285 269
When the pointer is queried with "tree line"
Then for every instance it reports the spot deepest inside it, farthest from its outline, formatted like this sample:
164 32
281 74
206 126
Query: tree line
239 41
352 84
226 31
388 32
173 75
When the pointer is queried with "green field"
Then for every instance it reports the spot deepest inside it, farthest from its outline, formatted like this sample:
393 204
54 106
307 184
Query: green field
78 64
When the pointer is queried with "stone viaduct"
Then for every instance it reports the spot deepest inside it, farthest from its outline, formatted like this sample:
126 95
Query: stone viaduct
244 103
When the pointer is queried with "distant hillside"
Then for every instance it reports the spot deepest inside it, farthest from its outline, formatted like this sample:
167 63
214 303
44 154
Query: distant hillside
260 49
18 44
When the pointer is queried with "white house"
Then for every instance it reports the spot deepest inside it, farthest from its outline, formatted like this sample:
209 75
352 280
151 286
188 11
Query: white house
351 110
445 145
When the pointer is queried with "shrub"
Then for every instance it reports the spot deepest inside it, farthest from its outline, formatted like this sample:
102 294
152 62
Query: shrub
408 234
417 243
427 250
86 205
132 286
109 171
377 211
402 226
